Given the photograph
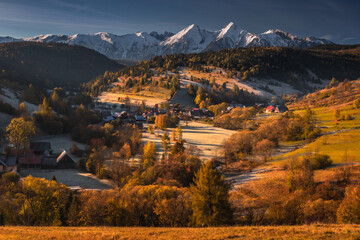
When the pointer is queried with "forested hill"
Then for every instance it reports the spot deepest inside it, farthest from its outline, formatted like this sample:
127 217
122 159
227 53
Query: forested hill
284 64
51 64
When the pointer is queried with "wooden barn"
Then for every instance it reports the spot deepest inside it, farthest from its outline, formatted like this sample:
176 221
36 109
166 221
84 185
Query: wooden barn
30 162
65 161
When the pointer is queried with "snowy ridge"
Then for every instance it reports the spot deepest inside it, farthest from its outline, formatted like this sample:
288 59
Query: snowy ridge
192 39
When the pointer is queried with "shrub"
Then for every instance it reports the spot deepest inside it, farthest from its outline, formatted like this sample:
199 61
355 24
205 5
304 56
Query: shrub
356 103
319 161
343 175
10 177
349 210
300 176
320 211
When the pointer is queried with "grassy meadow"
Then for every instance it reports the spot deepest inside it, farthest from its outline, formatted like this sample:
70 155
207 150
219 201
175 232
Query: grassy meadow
340 139
259 232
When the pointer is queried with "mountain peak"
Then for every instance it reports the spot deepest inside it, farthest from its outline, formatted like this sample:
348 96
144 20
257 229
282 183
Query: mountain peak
230 30
191 39
181 35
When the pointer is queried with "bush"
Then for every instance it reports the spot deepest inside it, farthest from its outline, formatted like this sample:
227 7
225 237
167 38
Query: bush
349 210
356 103
320 211
152 119
300 176
319 161
10 177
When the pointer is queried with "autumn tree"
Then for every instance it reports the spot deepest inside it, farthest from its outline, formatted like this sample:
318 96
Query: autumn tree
356 103
349 209
43 202
264 147
119 170
336 115
19 132
22 111
210 198
95 162
301 175
333 83
149 154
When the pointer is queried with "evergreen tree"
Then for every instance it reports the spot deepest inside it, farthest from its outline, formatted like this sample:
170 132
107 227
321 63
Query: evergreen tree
165 142
179 133
53 178
210 198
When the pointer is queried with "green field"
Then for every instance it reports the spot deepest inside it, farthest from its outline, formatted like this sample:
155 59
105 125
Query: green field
338 146
268 232
340 139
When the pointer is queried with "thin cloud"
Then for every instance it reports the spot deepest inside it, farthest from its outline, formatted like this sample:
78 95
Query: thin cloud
327 37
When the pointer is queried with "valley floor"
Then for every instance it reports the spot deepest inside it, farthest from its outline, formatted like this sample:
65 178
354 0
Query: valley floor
318 231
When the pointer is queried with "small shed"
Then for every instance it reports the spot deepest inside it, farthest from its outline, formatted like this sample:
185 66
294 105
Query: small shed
65 161
40 147
30 162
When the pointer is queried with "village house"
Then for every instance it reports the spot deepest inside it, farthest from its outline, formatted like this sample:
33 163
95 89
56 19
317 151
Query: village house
40 147
276 109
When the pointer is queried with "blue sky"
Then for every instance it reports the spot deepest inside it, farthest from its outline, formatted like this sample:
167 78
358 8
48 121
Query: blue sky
336 20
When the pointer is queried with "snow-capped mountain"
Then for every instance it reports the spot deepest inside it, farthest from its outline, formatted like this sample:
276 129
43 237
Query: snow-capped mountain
191 39
162 36
130 46
9 39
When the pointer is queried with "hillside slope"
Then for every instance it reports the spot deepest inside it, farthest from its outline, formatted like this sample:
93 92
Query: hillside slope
304 70
50 65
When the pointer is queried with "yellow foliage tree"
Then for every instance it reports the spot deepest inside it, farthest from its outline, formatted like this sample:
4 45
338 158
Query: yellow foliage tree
19 132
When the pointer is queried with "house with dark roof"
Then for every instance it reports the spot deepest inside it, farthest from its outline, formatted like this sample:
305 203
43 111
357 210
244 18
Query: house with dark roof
276 109
7 163
281 109
40 147
65 161
30 162
49 162
3 165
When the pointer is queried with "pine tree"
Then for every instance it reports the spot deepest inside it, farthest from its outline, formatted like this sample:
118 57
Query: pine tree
53 178
179 133
210 198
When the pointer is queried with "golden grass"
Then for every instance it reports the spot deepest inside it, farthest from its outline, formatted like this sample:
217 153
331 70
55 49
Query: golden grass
220 79
319 231
151 96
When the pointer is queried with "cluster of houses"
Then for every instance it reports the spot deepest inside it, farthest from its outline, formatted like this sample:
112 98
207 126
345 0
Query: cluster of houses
38 156
138 119
276 109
